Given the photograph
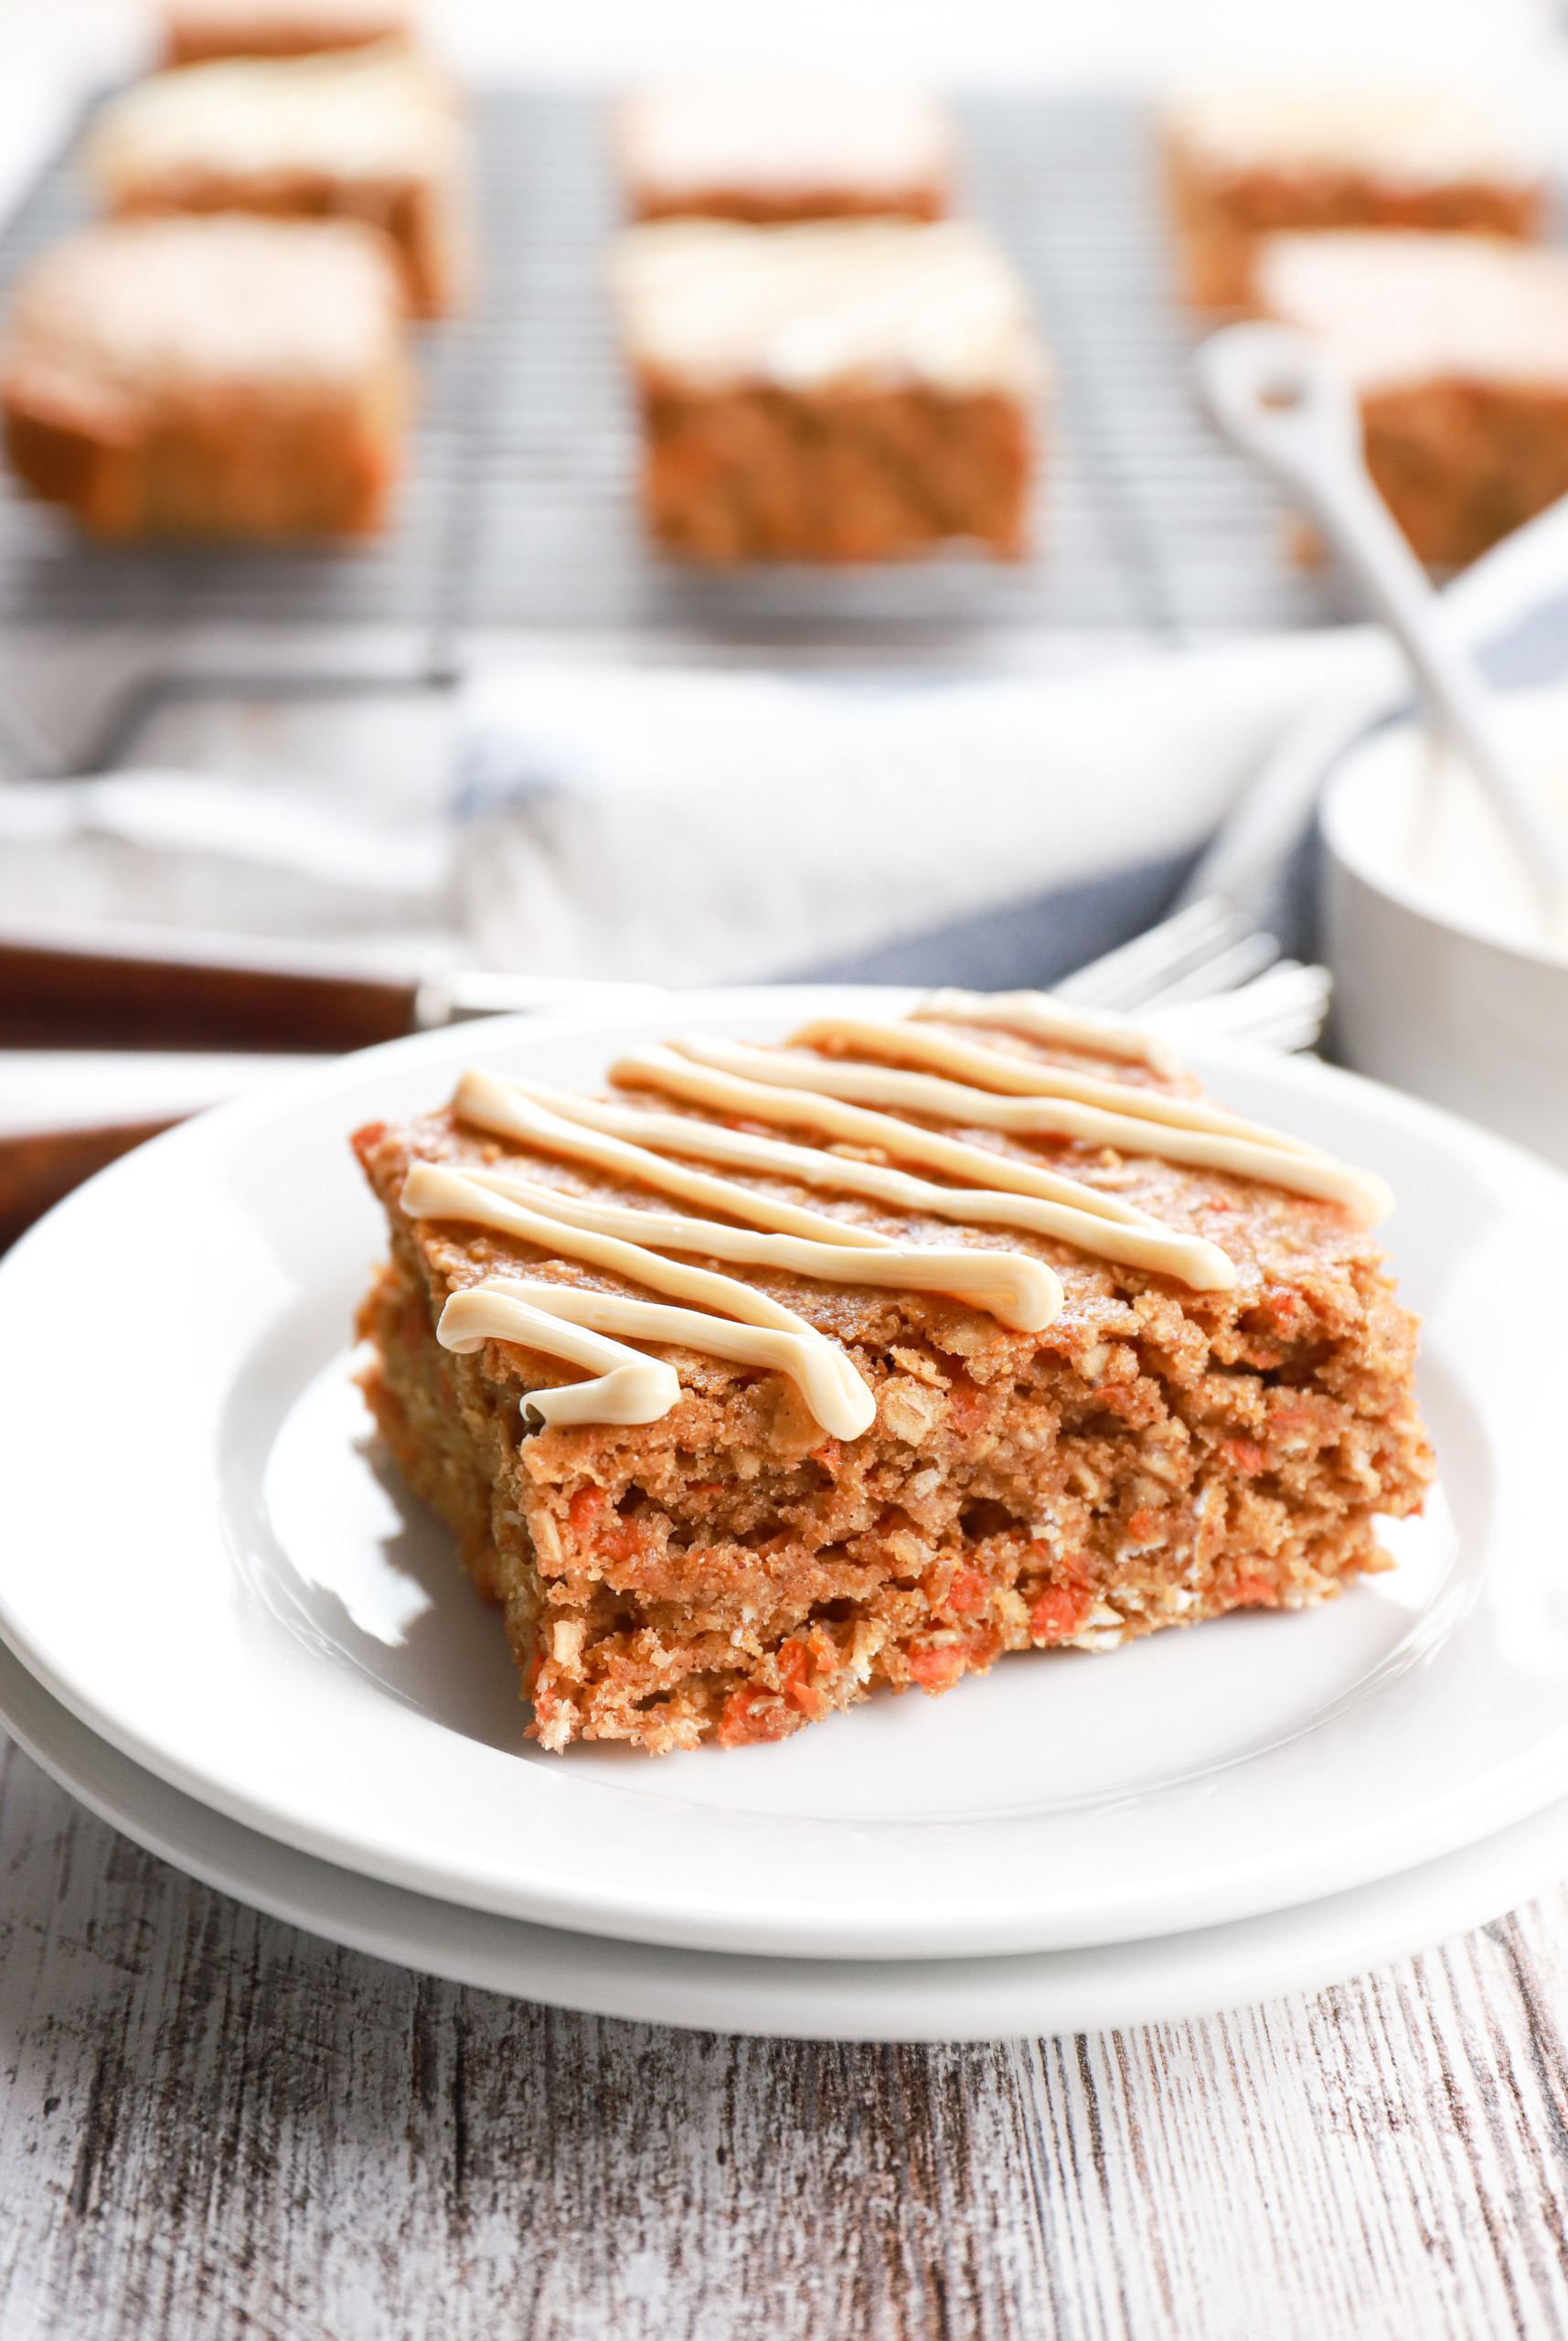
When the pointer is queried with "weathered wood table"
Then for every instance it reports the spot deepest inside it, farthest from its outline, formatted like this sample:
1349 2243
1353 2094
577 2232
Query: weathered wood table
213 2125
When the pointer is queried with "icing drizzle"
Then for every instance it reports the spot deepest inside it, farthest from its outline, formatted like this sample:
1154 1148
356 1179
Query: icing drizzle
1020 1196
1023 1292
1023 1077
1040 1017
820 1081
469 1319
774 1086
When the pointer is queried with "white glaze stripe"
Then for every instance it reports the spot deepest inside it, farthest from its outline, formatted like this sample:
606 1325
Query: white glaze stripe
812 1166
1016 1194
738 1079
967 1060
627 1386
1021 1293
553 1119
843 1406
1040 1017
432 1192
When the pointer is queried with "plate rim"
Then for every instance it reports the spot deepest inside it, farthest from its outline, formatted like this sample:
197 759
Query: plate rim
1166 1979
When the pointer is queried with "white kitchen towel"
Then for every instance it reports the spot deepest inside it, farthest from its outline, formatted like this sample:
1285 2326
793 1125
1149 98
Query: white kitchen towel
274 859
681 826
695 826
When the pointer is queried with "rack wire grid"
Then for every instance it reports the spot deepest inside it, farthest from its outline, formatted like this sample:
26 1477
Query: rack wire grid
517 511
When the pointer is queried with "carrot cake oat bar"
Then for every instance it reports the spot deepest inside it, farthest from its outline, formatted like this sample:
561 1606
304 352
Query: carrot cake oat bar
209 377
1457 348
842 391
769 153
776 1374
374 136
195 30
1242 163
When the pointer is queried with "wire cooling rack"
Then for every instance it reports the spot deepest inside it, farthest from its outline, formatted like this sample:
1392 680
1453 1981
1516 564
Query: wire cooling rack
518 510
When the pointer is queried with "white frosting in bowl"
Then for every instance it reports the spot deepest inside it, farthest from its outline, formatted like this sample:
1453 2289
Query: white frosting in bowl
1445 982
1405 813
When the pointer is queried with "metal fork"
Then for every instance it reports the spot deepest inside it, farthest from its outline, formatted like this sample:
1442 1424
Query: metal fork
1208 972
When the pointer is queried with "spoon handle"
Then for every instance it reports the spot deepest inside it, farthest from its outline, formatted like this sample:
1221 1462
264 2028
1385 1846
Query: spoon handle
1282 397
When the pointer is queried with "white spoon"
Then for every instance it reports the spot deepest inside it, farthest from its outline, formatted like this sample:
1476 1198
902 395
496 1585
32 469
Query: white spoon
1281 397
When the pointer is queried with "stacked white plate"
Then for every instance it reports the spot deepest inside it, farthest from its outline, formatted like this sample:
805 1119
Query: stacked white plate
229 1630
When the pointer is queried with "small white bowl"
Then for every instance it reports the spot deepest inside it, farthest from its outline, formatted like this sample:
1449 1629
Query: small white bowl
1445 981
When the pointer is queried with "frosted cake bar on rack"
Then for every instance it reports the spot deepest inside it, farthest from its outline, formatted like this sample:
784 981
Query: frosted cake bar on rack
844 391
375 136
1243 162
1457 349
222 378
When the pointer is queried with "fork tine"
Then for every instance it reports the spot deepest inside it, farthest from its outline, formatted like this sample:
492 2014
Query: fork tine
1130 974
1283 1009
1227 970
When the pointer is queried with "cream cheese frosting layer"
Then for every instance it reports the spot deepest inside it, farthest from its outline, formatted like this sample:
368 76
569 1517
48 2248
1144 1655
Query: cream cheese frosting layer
703 138
116 316
373 115
826 302
1402 136
1398 307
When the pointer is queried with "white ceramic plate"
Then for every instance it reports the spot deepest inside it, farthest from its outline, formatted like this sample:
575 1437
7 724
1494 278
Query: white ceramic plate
200 1557
1031 1993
